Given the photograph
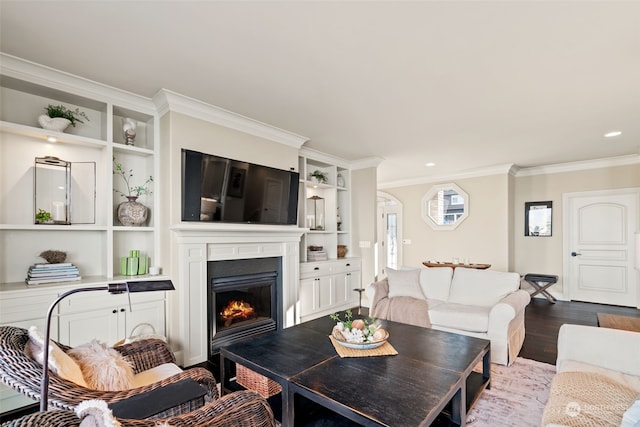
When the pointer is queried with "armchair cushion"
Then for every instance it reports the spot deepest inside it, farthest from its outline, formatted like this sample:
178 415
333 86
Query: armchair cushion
103 368
155 374
59 362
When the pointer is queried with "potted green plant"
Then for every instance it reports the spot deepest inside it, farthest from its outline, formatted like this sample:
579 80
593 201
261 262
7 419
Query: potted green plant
319 176
59 117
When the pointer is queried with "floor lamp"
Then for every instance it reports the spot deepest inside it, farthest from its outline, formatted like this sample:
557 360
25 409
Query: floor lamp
112 288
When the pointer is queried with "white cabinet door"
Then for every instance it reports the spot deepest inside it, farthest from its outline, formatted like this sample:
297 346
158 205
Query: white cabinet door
308 296
151 313
105 325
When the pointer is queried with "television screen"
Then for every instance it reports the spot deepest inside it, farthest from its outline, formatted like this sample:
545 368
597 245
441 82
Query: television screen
218 189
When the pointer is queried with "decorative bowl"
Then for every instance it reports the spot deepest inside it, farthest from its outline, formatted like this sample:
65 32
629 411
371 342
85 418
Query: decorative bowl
366 345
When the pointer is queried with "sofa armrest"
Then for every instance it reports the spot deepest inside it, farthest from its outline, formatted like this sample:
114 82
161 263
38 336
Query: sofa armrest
507 309
377 291
613 349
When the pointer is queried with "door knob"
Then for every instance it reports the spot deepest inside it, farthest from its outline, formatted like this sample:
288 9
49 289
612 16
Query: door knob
575 254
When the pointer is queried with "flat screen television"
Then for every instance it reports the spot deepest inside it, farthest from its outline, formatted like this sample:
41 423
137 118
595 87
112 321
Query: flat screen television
218 189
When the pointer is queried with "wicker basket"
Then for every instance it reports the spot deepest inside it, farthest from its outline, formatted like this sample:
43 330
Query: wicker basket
252 380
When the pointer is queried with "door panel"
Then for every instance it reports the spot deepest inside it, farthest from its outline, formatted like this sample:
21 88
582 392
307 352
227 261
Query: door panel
599 246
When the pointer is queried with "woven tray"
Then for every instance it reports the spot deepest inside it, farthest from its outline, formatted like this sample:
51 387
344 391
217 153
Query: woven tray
384 350
252 380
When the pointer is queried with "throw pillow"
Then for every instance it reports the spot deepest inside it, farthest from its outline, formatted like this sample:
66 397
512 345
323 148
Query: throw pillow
404 283
59 362
103 368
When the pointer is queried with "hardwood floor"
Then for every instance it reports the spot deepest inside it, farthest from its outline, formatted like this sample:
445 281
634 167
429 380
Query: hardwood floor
543 320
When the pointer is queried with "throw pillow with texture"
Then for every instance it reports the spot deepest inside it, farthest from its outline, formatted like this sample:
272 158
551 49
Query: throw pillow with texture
103 368
404 283
59 362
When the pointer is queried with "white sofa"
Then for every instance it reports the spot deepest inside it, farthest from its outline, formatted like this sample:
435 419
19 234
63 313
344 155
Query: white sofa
480 303
598 378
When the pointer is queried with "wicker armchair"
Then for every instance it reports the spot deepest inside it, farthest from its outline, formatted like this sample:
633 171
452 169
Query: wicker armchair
238 409
24 374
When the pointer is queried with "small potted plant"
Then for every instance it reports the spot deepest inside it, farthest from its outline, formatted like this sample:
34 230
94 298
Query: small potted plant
59 117
43 217
319 176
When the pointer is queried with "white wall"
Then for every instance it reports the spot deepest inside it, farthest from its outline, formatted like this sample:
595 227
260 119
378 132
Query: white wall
482 238
178 131
363 218
494 231
544 255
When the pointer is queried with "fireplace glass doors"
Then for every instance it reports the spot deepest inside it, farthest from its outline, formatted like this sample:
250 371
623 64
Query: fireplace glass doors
243 299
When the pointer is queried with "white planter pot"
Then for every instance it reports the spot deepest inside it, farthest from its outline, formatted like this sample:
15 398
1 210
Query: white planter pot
57 124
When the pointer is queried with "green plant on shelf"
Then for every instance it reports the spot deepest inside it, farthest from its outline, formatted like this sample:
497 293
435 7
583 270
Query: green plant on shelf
73 116
126 175
320 176
43 216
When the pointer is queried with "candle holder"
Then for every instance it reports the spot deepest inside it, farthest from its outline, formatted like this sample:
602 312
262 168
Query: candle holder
64 192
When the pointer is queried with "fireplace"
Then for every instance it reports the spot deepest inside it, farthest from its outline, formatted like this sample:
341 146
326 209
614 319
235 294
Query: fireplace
244 299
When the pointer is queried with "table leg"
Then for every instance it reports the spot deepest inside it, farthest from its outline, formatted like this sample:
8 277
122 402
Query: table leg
288 405
459 405
486 368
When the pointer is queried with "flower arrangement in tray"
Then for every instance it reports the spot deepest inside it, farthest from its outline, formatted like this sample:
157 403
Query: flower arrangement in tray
358 333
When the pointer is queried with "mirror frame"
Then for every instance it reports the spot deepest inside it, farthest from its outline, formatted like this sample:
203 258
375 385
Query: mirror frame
424 204
546 211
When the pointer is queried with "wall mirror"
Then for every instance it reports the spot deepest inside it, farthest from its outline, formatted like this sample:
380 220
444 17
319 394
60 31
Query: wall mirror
445 206
537 218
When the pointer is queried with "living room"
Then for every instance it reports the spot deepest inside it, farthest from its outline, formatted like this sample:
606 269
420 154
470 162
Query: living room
498 180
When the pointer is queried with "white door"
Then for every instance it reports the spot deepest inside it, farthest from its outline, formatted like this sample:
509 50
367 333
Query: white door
389 233
599 254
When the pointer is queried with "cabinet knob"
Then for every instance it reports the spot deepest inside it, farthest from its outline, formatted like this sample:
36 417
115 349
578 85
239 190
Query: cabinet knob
348 265
348 274
316 268
122 310
115 311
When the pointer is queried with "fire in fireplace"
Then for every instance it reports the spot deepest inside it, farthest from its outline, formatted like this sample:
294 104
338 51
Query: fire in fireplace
237 311
244 299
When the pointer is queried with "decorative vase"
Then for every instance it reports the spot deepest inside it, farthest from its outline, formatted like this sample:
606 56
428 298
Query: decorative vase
340 181
132 213
342 251
129 129
58 124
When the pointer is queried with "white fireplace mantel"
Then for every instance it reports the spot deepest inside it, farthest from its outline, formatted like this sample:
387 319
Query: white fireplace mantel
199 243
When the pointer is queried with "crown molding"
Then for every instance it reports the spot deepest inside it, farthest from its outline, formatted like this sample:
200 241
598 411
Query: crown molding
21 69
474 173
166 100
608 162
367 162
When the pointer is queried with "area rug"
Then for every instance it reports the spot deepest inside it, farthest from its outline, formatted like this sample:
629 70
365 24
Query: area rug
517 395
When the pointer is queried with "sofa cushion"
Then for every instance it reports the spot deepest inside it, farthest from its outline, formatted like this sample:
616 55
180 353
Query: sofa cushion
155 374
436 282
458 316
404 283
481 287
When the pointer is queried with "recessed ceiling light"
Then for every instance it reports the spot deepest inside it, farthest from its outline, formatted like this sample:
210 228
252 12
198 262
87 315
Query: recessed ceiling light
430 164
612 134
52 139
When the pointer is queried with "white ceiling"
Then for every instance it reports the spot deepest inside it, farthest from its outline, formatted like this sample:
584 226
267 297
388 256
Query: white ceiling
464 84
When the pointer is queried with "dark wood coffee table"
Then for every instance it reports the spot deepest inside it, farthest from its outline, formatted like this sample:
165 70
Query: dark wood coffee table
432 374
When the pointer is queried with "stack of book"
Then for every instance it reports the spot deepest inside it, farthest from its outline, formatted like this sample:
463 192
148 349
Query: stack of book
52 273
317 256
